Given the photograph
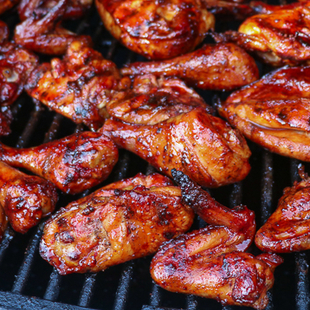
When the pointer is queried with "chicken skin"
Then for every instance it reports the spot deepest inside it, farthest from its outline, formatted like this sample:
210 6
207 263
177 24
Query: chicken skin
210 262
43 33
195 142
151 100
156 29
287 229
25 199
279 38
78 86
74 163
126 220
205 67
74 9
274 111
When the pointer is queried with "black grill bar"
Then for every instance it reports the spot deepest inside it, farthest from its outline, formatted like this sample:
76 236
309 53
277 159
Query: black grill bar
87 290
52 290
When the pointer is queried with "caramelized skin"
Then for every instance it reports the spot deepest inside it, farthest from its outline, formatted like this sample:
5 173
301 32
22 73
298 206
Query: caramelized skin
288 228
7 4
274 111
16 64
25 199
205 67
74 9
43 33
281 37
74 163
126 220
197 143
210 262
152 100
156 29
78 87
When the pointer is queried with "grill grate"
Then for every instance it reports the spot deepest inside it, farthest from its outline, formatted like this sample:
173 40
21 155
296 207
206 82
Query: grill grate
28 282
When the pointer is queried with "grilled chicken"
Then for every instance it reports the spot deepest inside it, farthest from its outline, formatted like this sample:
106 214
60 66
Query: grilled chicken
287 229
16 64
25 199
205 67
195 142
281 37
78 86
274 112
74 9
123 221
7 4
211 262
156 29
74 163
151 100
43 33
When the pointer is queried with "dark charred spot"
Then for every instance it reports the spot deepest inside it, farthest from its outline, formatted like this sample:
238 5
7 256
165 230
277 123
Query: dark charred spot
169 234
65 237
62 222
117 192
282 116
88 210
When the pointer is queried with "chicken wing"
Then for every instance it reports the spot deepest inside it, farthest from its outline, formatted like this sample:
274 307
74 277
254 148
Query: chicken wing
114 225
281 37
205 67
78 86
210 262
288 228
152 100
25 199
43 33
74 163
74 9
156 29
197 143
274 111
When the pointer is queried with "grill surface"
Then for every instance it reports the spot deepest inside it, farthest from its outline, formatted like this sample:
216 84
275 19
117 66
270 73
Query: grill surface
28 282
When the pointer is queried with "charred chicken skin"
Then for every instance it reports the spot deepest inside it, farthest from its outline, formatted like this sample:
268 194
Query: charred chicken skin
287 229
25 199
281 37
74 163
16 64
78 86
205 67
195 142
274 111
74 9
123 221
151 100
211 262
44 34
156 29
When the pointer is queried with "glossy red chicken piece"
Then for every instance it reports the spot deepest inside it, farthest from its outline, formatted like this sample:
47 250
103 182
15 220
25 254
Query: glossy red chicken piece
281 37
287 229
215 67
156 29
44 34
151 100
210 262
195 142
25 199
274 111
78 86
74 163
74 9
117 223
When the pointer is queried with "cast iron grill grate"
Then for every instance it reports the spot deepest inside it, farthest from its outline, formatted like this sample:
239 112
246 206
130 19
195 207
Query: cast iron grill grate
28 282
